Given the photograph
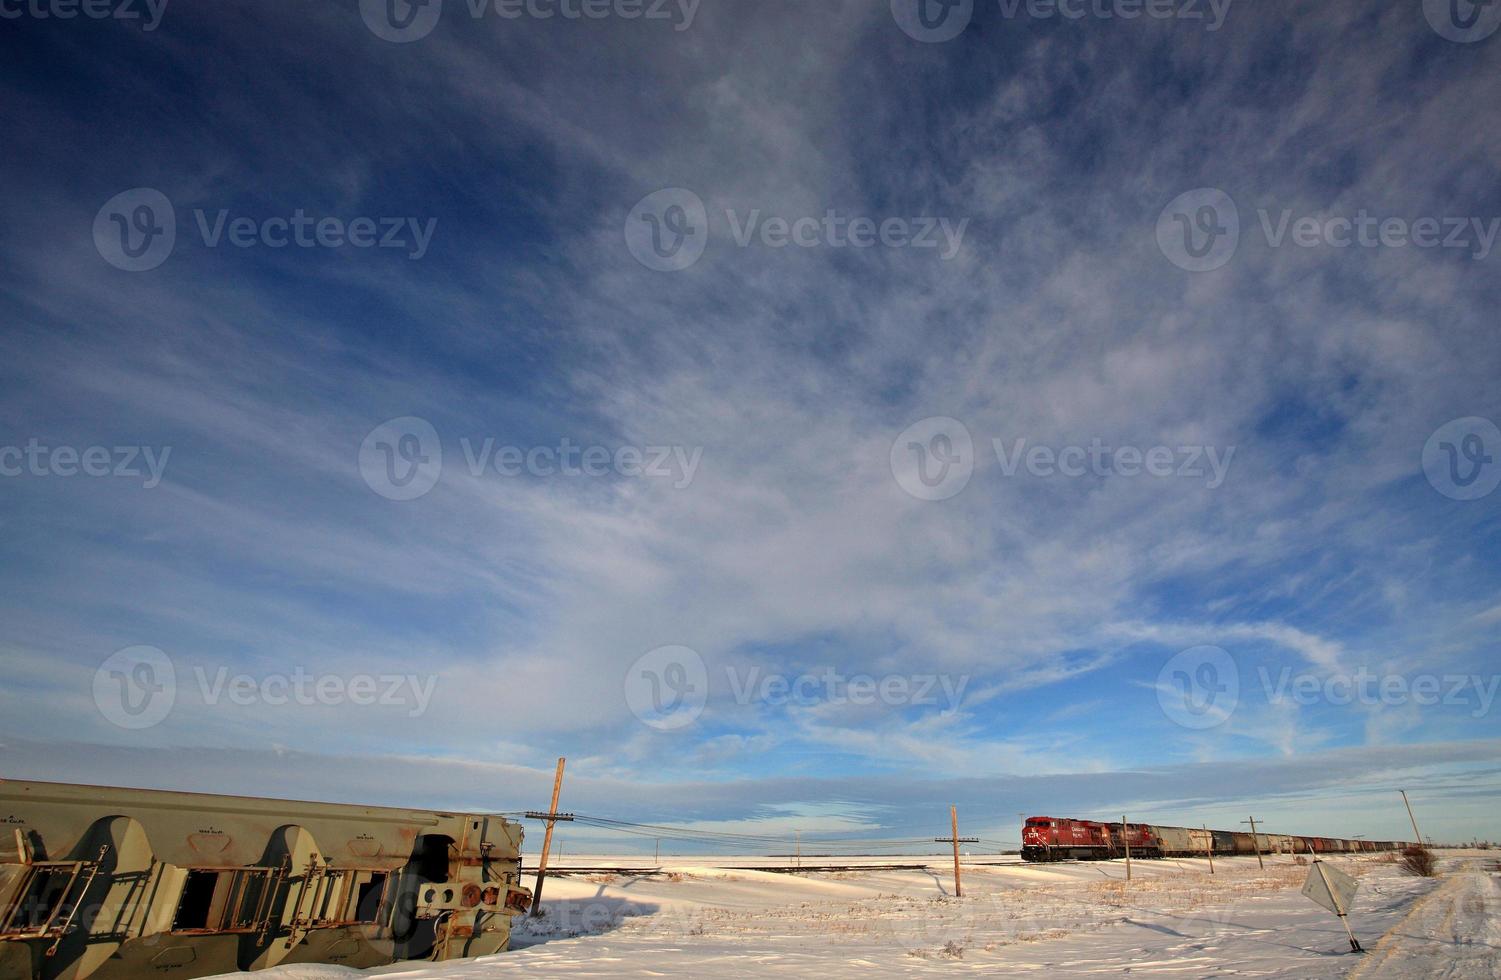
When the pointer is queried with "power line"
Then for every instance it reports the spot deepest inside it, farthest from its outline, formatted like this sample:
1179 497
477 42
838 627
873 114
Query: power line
833 842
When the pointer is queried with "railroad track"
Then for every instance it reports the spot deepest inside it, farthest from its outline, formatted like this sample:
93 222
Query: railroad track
774 869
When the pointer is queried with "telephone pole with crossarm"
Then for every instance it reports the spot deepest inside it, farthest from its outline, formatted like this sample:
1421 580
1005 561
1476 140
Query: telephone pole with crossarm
956 840
551 816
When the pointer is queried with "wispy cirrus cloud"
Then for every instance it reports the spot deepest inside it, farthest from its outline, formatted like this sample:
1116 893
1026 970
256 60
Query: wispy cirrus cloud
1058 321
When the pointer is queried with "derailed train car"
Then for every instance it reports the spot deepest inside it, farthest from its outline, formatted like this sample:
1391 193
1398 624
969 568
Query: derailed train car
120 884
1066 839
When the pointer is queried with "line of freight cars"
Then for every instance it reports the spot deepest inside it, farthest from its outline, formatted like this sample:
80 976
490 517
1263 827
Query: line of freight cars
1064 839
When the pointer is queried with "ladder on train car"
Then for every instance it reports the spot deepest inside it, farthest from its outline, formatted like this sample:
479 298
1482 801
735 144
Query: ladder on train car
49 898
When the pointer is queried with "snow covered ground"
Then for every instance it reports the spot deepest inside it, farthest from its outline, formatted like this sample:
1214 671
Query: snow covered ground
1173 920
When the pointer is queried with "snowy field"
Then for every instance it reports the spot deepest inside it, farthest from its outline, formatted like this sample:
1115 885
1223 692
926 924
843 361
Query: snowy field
1068 920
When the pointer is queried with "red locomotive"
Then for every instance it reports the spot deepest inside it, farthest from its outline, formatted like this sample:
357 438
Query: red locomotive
1066 839
1054 839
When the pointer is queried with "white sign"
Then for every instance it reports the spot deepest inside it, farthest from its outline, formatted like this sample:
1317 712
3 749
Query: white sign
1330 887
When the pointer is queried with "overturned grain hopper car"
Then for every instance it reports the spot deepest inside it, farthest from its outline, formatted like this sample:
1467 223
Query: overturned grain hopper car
122 884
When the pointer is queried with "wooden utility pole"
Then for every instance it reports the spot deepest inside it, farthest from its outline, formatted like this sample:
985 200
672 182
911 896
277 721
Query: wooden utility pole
1209 847
1417 838
1126 842
799 834
956 840
954 832
551 816
1256 842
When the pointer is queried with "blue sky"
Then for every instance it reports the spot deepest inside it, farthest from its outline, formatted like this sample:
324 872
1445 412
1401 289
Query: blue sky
508 158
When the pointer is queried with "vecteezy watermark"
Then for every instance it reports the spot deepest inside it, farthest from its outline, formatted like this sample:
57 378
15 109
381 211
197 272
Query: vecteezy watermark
1462 459
1200 230
935 458
829 686
1199 687
932 21
675 463
833 230
402 459
936 21
148 12
1211 13
411 235
668 688
137 688
136 230
1208 463
404 21
1463 21
125 462
1364 230
1381 690
667 230
411 691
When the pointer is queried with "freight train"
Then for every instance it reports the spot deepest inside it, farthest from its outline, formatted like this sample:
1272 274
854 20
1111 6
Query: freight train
120 884
1064 839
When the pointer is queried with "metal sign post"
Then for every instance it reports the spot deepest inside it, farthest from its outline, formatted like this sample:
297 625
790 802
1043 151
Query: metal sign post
1335 891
